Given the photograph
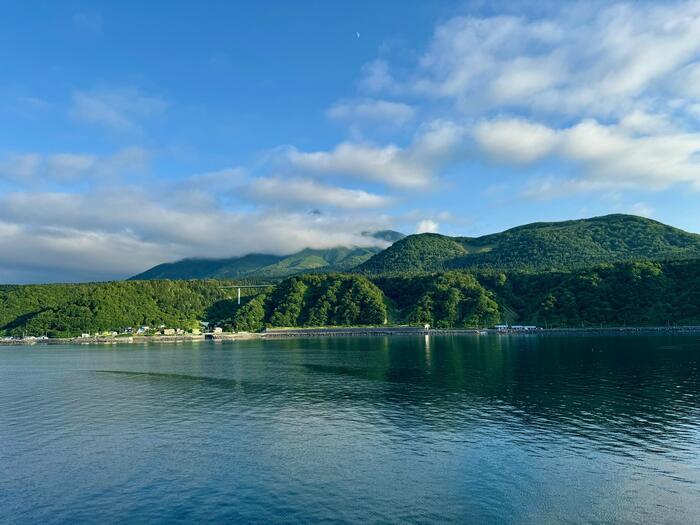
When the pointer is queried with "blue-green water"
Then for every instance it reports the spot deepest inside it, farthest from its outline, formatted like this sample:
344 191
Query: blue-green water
468 430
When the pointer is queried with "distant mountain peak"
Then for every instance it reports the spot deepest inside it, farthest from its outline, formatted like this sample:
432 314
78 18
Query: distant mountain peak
260 265
540 246
385 235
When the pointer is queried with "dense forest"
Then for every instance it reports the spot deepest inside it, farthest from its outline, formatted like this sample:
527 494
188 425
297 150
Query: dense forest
539 247
641 293
634 294
60 310
446 300
314 300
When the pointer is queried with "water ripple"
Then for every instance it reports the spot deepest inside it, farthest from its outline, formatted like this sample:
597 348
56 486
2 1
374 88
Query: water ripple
387 430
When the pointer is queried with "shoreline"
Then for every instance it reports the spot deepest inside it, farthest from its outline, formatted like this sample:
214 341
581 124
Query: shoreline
293 333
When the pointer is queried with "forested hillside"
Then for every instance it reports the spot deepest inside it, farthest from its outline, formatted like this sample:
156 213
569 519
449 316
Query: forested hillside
448 300
70 309
540 246
262 266
314 300
62 310
232 268
632 293
537 247
266 266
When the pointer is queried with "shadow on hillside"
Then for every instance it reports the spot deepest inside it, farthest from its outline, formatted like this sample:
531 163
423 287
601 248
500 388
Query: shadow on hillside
223 310
21 320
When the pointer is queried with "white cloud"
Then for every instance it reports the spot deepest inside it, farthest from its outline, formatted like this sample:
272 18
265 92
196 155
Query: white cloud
117 232
436 145
281 191
643 122
395 113
223 180
515 140
376 77
611 94
641 208
50 254
16 166
65 167
581 62
427 226
612 155
121 109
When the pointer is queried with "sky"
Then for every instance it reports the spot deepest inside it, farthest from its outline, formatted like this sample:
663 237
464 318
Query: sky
135 133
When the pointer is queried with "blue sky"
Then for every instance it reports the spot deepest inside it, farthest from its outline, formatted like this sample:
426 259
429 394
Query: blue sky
135 133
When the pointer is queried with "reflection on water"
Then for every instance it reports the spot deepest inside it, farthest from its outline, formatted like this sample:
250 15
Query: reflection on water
436 429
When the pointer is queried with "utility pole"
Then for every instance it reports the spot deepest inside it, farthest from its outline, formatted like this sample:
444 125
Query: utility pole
239 286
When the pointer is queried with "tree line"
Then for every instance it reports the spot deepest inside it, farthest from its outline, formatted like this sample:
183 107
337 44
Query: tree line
640 293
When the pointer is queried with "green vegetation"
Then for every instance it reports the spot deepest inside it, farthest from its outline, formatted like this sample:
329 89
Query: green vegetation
540 247
315 300
63 310
265 266
261 266
633 294
60 310
234 268
547 274
449 300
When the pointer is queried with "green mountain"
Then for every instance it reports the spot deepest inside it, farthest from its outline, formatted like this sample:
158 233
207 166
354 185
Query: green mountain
264 266
313 300
540 246
233 268
641 293
385 235
61 310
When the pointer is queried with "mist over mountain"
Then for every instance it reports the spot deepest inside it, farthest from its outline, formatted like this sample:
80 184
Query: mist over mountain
267 266
538 246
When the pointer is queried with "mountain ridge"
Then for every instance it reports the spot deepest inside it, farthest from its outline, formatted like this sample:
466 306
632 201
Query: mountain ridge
540 246
268 266
537 246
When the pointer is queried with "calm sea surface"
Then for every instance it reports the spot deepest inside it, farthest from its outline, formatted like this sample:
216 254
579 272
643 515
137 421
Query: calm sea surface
489 429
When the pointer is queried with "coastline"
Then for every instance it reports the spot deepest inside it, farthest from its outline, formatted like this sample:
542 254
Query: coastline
292 333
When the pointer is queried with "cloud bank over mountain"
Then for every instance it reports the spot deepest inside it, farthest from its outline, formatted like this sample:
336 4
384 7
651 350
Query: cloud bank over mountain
505 112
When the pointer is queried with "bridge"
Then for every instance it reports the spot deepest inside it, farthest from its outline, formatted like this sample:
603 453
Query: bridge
240 286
